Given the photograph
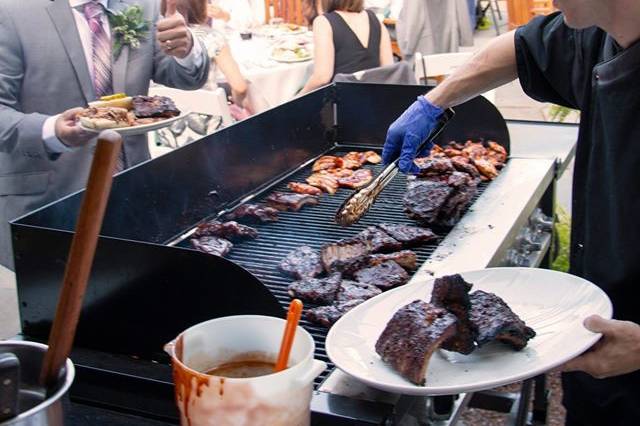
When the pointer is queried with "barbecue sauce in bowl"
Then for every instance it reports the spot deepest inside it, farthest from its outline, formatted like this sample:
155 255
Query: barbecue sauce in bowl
242 369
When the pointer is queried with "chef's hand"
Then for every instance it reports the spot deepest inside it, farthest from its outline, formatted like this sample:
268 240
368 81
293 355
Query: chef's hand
68 130
616 353
172 32
408 132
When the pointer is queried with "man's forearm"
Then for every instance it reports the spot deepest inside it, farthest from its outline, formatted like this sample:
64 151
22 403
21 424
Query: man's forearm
492 66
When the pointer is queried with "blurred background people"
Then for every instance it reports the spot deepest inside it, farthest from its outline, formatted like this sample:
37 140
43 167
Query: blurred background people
235 14
347 38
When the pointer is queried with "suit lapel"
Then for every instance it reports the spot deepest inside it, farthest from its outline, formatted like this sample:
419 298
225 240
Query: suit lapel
65 24
119 68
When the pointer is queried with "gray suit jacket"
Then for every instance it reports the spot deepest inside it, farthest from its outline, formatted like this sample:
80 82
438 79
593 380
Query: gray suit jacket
43 71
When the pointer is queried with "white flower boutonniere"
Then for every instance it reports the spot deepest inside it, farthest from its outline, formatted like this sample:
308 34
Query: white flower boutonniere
128 27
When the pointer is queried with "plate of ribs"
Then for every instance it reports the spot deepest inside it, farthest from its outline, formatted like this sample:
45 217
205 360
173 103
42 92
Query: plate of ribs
467 332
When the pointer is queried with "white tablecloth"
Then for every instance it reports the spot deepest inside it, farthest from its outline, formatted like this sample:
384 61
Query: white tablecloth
277 82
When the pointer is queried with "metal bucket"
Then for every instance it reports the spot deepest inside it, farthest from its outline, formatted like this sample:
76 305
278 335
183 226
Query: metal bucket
35 408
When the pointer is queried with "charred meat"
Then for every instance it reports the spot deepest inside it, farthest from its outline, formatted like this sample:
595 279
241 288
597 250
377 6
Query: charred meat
357 180
328 315
452 293
409 236
228 230
303 188
154 107
321 291
341 252
405 258
303 262
353 290
385 276
434 166
326 182
463 164
289 201
212 245
424 198
254 213
376 240
495 320
412 335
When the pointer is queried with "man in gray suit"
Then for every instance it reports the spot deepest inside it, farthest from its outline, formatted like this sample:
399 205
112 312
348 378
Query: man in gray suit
56 56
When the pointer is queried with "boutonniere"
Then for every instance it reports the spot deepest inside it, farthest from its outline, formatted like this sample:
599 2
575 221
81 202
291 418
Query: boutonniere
128 27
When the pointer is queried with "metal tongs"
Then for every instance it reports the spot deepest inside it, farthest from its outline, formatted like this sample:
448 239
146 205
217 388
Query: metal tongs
361 201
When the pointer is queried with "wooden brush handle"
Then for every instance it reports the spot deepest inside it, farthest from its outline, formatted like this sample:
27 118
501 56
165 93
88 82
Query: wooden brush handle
81 255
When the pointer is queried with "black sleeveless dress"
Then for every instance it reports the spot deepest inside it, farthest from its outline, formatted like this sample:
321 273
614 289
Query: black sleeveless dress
350 55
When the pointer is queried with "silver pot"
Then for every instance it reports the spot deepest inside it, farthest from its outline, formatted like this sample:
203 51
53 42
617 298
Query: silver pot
35 408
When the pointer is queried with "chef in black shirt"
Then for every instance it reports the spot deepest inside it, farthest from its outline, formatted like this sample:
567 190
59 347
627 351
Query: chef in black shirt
587 58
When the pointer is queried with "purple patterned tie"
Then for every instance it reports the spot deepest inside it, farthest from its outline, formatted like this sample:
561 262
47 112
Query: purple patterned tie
101 55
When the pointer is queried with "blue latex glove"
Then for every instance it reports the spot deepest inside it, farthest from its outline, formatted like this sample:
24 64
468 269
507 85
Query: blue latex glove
408 132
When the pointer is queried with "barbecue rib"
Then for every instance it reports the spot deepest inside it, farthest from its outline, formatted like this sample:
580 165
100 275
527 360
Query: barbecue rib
376 240
319 291
303 262
340 252
327 162
385 276
228 230
424 199
325 181
409 236
328 315
494 320
289 201
411 337
154 106
212 245
303 188
352 290
254 213
363 157
452 293
405 258
356 180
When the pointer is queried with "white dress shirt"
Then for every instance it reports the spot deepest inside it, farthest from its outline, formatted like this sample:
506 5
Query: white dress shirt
191 61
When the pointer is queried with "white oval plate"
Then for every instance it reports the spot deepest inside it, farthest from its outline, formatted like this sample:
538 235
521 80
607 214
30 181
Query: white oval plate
553 303
141 129
290 61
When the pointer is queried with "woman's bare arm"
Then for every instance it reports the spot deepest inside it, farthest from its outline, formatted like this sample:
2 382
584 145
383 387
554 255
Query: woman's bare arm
323 57
386 55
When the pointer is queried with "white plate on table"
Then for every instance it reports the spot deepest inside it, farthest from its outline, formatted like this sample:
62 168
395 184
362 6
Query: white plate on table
278 30
554 304
291 60
142 128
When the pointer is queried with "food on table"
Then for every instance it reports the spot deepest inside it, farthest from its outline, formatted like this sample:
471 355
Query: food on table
326 182
376 240
303 262
412 335
291 50
405 258
327 162
212 245
341 251
228 230
494 320
353 290
408 235
154 107
356 180
119 100
254 213
303 188
385 276
290 201
328 315
321 291
451 292
104 118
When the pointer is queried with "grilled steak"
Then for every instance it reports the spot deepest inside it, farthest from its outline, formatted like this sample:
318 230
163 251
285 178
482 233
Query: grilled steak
303 188
434 166
408 235
412 335
357 180
228 230
289 201
303 262
385 276
254 213
352 290
376 240
494 320
405 258
328 315
452 210
212 245
326 182
154 106
314 290
340 252
451 292
424 199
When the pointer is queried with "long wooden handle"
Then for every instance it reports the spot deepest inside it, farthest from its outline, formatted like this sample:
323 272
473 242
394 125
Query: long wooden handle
81 255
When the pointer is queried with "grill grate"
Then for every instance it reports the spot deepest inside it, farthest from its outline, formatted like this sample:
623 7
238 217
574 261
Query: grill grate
315 226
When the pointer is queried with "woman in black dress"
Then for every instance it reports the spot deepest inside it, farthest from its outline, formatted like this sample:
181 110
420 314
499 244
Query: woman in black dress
347 39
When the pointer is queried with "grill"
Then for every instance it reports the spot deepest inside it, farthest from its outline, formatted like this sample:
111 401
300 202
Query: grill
146 286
